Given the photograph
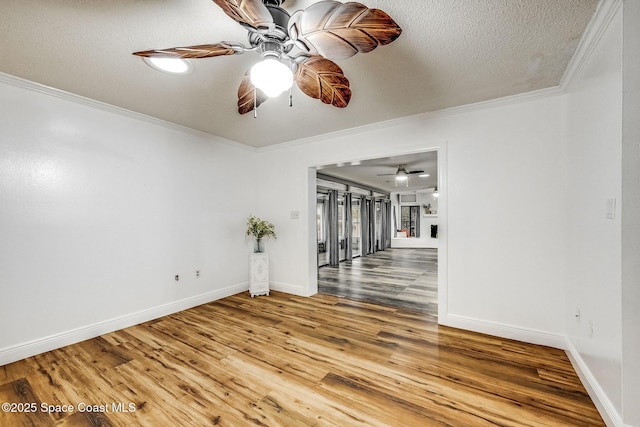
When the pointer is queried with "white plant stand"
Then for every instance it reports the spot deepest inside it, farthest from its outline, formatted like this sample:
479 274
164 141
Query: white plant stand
258 274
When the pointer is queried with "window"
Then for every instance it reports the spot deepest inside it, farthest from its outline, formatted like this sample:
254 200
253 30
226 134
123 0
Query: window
320 221
356 228
408 215
408 198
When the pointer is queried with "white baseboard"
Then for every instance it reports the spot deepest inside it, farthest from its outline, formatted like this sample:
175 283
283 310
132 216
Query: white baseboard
503 330
289 289
608 412
51 342
597 394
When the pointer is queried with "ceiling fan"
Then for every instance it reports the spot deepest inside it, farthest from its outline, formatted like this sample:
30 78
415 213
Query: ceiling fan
301 46
401 170
401 174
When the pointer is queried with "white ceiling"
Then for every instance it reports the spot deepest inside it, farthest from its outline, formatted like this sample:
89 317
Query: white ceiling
451 53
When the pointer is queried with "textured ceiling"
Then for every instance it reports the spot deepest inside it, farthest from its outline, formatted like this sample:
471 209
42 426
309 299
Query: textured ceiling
451 53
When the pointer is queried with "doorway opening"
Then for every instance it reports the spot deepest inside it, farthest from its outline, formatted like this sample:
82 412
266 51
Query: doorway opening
377 238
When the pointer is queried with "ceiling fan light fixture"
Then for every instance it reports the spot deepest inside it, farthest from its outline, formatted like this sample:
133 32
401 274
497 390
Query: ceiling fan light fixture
168 65
400 178
271 76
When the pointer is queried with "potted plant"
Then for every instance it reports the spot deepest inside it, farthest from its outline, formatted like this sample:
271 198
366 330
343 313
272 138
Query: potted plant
260 229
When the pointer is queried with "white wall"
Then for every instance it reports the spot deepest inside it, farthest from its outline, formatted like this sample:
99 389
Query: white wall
429 198
594 251
99 211
506 265
423 198
630 219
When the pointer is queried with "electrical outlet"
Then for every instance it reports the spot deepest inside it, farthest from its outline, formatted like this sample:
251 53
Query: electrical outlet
177 277
197 273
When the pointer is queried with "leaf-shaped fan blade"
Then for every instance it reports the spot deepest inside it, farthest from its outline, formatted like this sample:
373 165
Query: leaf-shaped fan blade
339 31
249 12
200 51
323 79
246 95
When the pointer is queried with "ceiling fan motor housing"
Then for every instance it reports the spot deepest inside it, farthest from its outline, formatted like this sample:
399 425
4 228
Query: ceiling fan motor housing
278 30
280 19
273 2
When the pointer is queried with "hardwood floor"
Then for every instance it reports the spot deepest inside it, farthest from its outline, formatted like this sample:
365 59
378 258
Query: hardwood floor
284 360
404 278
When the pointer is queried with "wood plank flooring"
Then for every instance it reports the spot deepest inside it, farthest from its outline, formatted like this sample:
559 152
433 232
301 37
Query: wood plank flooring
284 360
404 278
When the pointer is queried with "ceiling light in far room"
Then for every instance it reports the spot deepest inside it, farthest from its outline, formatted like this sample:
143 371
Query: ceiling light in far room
424 175
435 192
402 178
271 76
168 65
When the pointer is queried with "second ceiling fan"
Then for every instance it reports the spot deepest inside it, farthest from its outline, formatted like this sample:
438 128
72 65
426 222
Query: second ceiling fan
402 174
300 47
401 170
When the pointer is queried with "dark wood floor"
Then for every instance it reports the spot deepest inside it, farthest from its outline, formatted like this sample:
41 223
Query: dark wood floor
404 278
284 360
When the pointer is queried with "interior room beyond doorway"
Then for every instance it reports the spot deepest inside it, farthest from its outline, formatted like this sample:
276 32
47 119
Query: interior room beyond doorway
377 231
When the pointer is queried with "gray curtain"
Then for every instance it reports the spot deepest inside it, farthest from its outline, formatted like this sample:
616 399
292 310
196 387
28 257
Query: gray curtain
386 224
372 225
334 245
418 215
348 236
325 243
396 215
391 231
364 215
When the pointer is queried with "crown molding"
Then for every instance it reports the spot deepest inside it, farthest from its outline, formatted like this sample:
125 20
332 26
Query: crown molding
600 21
421 117
103 106
344 132
504 101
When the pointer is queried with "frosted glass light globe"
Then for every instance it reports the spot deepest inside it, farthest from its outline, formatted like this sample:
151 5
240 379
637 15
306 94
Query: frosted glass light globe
271 76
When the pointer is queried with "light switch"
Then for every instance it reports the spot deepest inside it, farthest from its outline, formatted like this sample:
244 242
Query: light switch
611 208
295 214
